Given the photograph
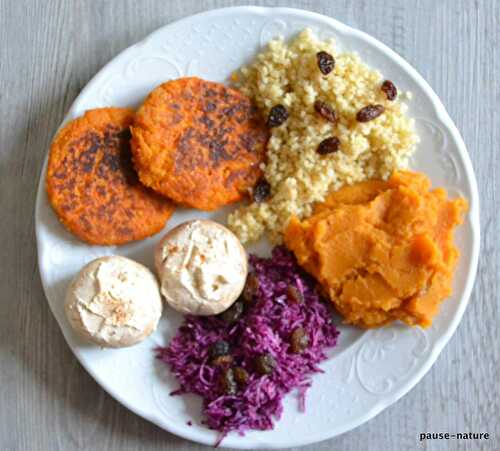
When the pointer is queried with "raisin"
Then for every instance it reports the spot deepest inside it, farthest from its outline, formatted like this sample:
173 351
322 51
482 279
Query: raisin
277 116
241 376
227 382
328 145
299 340
251 289
222 360
326 62
261 191
219 348
295 295
233 313
369 113
265 364
219 353
325 111
390 89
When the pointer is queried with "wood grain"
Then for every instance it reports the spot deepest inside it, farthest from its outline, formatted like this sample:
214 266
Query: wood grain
49 51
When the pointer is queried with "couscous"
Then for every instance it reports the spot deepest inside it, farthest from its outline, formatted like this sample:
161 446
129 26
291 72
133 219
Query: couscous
292 75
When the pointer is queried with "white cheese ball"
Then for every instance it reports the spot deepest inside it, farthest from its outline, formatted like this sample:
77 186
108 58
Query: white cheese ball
202 267
114 302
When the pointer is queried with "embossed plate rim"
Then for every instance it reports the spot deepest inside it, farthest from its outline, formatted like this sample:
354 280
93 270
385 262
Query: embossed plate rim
266 439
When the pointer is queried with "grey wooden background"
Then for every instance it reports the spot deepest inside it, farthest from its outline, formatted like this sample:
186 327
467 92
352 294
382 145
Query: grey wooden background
49 49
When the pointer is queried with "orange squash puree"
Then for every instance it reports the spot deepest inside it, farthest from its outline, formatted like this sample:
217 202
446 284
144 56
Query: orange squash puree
382 251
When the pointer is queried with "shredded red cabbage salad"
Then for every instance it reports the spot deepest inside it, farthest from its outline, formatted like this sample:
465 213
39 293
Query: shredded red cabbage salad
284 300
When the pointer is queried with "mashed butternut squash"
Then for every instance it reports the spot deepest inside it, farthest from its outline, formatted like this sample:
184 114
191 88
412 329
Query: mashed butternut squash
382 250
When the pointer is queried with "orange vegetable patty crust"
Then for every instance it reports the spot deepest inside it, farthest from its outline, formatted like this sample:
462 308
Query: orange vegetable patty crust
198 143
92 185
382 251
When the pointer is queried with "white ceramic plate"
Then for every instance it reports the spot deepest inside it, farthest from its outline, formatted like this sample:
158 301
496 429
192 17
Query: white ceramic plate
369 370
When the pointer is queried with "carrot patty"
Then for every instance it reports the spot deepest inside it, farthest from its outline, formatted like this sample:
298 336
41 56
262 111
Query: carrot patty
92 185
198 143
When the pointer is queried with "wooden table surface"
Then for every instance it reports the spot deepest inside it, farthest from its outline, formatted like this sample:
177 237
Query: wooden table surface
48 52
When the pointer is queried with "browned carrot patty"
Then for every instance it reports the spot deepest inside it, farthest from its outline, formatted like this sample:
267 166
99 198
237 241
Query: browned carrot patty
198 142
92 185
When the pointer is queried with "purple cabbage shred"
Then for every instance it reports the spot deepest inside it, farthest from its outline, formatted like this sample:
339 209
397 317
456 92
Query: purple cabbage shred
265 327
